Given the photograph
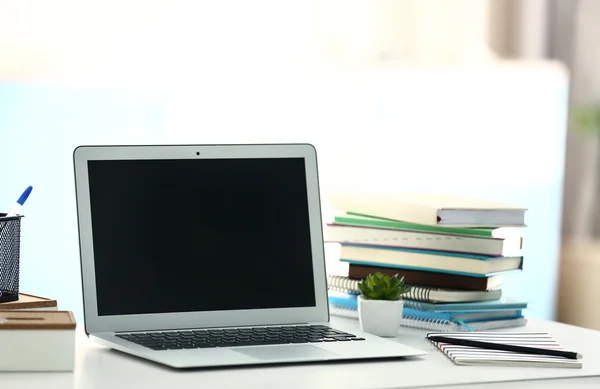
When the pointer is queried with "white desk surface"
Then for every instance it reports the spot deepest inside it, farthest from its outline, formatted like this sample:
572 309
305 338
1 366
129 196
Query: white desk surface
98 367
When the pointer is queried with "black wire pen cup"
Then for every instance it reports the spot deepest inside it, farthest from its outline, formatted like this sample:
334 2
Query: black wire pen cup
10 257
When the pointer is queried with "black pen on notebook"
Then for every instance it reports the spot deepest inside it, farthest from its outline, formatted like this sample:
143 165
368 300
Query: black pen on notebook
504 347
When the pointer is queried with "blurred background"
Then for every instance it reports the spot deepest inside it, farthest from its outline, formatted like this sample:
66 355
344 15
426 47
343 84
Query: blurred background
484 98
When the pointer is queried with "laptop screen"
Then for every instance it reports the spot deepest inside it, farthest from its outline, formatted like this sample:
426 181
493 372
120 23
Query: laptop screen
200 235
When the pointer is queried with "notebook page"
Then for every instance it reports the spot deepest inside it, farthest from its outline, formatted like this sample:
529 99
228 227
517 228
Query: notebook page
464 355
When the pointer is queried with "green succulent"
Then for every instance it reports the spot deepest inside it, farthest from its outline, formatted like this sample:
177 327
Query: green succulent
379 286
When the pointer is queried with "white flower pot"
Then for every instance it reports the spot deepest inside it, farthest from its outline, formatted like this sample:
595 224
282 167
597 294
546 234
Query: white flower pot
380 317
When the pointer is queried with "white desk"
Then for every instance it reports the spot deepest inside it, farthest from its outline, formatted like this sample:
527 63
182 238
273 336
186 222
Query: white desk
97 367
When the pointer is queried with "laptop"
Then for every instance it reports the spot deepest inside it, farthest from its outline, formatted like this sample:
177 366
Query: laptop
209 255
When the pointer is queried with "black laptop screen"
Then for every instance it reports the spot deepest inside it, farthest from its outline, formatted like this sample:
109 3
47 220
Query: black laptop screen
200 235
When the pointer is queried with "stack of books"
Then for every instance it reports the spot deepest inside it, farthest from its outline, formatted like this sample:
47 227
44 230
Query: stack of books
454 252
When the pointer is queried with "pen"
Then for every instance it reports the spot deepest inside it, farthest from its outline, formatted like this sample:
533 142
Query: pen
17 207
505 347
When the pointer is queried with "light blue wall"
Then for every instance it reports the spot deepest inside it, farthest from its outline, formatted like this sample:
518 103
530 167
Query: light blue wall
39 128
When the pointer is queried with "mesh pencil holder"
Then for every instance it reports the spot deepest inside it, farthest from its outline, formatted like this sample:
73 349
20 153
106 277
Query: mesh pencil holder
10 250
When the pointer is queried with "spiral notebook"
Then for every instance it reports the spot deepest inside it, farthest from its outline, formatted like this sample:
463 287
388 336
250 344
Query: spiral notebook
420 293
474 356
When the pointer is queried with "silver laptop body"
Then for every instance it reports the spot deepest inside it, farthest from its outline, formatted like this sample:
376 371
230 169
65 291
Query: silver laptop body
209 255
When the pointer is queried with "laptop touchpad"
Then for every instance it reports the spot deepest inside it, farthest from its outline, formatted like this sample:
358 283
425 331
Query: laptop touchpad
278 352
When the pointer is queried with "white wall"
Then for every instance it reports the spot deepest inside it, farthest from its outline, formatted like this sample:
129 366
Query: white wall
495 132
237 71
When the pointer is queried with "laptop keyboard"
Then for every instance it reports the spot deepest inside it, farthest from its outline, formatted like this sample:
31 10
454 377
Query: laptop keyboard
234 337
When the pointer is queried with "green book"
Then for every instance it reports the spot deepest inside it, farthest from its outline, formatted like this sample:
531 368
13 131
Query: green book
351 219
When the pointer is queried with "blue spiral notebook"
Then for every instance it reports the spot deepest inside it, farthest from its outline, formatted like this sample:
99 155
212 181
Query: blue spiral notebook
503 303
350 302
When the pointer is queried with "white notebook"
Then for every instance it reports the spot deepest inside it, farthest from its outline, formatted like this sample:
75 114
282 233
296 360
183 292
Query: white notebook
473 356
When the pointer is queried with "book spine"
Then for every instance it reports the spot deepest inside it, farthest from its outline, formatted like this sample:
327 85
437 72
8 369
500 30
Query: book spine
398 268
370 248
425 278
382 237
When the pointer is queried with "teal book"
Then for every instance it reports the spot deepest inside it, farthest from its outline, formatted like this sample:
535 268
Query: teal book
427 260
504 303
343 300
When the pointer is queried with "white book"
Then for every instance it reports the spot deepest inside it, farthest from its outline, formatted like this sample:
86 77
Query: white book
433 261
339 233
430 209
37 341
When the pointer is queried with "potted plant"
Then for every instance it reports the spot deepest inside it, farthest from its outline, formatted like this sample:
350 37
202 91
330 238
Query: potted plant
380 304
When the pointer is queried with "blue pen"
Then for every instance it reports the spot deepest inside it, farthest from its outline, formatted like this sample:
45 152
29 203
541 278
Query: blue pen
17 207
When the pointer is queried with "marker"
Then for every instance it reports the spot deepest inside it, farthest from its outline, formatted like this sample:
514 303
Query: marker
17 207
